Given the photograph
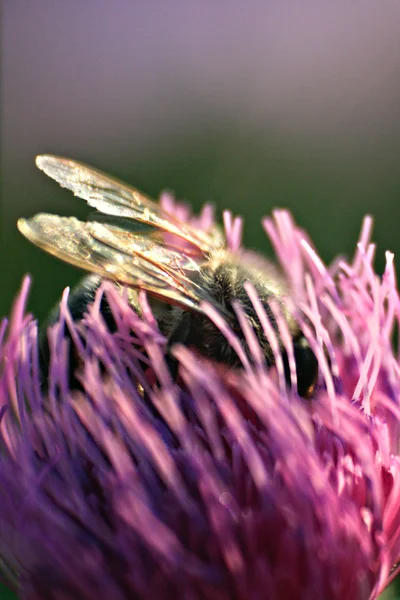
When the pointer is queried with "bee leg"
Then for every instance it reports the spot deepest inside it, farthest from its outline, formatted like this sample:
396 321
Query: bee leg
179 335
306 367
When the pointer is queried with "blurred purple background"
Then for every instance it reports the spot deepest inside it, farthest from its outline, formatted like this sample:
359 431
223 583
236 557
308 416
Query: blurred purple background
247 104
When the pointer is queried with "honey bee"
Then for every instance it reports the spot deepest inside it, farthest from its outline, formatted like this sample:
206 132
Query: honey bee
134 243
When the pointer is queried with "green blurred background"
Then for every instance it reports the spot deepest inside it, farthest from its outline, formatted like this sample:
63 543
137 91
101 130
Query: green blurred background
249 105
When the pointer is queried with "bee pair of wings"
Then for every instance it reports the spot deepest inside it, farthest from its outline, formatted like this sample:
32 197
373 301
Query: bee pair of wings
109 245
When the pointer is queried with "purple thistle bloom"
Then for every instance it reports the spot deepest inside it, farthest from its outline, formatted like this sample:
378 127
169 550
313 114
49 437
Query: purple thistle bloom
225 484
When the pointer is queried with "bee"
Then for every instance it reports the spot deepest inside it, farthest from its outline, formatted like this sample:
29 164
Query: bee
136 244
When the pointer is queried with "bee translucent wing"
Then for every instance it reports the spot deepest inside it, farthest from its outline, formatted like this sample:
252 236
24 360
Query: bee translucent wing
112 197
139 245
139 266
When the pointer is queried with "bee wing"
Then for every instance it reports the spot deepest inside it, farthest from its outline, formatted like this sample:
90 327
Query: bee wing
112 197
130 259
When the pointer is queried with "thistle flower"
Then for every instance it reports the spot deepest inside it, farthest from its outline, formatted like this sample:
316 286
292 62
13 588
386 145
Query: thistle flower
220 485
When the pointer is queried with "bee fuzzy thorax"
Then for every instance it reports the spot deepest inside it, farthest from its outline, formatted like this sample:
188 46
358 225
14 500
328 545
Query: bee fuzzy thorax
226 273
